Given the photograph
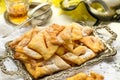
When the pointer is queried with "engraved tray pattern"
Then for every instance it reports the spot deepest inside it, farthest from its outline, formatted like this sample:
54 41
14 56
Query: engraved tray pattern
109 52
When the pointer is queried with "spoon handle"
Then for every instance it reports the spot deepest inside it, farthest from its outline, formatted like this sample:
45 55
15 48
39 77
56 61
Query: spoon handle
22 24
19 26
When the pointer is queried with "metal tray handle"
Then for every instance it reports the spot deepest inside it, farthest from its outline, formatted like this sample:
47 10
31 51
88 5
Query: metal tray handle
113 34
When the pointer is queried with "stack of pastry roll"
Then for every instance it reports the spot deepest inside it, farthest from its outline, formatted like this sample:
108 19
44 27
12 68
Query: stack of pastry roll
47 50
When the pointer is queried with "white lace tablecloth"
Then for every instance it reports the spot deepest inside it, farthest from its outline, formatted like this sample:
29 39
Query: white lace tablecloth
110 68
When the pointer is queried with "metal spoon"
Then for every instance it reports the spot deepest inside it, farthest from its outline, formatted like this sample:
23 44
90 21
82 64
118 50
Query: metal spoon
32 14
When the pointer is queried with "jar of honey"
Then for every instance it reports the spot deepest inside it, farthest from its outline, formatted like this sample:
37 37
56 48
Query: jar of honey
17 10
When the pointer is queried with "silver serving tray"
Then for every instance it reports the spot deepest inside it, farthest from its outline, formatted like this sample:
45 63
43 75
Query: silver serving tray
62 75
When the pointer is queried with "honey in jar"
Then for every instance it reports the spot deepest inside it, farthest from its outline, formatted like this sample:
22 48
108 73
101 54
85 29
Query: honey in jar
17 11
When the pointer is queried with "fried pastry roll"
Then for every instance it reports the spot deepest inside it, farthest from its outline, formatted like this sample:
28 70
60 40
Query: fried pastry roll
38 69
84 76
22 57
76 32
61 50
93 43
96 76
67 38
41 43
60 63
34 68
32 53
14 43
89 54
22 47
79 76
80 50
87 31
27 35
54 30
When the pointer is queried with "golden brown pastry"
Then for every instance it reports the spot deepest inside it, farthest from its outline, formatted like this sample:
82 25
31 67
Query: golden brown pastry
25 37
96 76
93 43
76 32
67 38
60 51
90 78
22 57
41 43
39 69
87 31
34 68
84 76
79 76
54 30
32 53
80 50
79 59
